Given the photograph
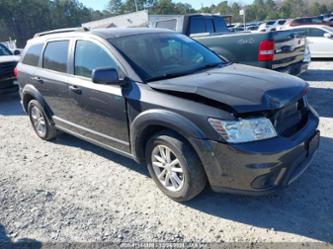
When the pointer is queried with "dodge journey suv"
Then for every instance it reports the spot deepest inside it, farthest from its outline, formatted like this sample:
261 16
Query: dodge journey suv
167 101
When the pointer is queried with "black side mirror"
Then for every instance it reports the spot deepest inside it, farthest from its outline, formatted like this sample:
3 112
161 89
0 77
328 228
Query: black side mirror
17 52
107 76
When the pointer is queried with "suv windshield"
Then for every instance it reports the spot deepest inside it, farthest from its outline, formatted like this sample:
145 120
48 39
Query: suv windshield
162 56
4 50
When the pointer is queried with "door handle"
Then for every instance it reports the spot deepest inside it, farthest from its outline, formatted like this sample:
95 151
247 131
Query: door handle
38 80
75 89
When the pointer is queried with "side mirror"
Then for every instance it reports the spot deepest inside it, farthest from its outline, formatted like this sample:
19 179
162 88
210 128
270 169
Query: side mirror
17 52
328 35
107 76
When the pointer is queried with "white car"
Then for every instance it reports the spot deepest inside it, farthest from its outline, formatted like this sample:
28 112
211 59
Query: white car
271 25
320 40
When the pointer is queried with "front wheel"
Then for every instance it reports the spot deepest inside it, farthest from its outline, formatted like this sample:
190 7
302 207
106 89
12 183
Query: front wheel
174 166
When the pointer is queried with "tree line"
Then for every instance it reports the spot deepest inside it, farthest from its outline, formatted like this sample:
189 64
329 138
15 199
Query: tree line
21 19
259 10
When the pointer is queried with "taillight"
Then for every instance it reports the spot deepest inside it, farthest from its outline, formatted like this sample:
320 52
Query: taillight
15 72
266 50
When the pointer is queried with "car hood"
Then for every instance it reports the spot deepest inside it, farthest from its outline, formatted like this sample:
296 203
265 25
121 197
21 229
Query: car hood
9 58
243 88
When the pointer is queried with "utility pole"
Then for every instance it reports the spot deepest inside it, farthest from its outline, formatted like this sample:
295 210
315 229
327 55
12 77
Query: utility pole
242 13
136 6
244 19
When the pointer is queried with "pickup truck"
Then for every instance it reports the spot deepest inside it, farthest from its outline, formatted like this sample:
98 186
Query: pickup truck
8 62
283 51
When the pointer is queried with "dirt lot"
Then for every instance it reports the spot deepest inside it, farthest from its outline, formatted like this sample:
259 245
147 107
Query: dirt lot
70 190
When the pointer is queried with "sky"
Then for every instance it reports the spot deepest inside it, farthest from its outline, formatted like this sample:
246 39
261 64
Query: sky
101 4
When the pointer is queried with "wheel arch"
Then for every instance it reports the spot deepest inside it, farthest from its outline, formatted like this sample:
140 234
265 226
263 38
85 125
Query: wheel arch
151 122
29 92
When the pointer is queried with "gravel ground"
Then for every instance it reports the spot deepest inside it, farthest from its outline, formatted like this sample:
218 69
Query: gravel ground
70 190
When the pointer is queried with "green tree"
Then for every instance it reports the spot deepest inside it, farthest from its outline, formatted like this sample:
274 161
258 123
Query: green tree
115 7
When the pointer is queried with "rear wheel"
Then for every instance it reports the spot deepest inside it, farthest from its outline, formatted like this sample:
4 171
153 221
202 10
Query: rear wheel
39 121
174 166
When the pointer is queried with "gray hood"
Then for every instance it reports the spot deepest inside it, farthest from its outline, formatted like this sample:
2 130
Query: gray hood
243 88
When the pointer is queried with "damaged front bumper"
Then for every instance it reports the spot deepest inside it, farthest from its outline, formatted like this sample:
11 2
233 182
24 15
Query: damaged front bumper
261 167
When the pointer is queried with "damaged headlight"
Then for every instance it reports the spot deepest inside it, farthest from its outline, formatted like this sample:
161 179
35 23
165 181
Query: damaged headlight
244 130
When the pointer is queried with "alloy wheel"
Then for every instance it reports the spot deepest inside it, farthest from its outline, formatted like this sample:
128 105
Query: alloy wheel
38 121
167 168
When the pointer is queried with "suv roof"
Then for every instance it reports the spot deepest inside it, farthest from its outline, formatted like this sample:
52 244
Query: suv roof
122 32
103 33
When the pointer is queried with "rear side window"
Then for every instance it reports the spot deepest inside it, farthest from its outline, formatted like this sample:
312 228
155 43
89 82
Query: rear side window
202 25
220 25
316 32
33 54
209 26
89 56
305 30
197 25
56 56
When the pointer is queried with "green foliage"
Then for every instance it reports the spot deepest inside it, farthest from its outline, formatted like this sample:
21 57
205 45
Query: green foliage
115 7
272 9
21 19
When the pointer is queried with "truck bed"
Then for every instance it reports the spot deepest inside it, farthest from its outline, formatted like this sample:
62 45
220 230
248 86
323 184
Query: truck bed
243 47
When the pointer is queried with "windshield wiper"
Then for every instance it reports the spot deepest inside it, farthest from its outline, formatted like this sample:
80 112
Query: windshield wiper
174 75
212 65
168 76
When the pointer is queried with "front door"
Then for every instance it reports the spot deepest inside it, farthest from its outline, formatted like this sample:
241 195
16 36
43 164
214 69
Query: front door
100 111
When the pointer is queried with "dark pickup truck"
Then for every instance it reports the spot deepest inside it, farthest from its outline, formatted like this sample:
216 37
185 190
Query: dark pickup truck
8 62
283 51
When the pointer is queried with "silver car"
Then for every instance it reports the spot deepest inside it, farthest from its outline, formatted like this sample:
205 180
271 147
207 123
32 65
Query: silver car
320 40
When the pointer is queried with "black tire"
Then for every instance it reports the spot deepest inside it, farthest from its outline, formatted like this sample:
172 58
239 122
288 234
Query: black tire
50 131
194 176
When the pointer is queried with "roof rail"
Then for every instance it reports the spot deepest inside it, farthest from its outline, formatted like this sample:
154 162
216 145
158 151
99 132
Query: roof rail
56 31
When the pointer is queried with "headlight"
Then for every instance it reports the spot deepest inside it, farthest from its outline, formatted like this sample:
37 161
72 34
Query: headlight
244 130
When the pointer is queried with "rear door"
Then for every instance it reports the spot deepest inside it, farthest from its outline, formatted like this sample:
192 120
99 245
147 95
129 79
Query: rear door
52 79
99 111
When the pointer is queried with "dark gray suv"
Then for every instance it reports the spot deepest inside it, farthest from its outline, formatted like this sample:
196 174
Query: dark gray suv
167 101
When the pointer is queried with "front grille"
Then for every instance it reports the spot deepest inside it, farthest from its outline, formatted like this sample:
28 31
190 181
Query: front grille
291 118
6 69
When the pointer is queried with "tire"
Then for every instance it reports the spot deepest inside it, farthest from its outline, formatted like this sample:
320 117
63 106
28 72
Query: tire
41 124
192 178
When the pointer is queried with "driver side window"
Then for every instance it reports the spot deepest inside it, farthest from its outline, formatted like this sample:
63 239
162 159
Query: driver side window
90 56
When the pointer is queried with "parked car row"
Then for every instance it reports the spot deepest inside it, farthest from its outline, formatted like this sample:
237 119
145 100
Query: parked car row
280 24
318 31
